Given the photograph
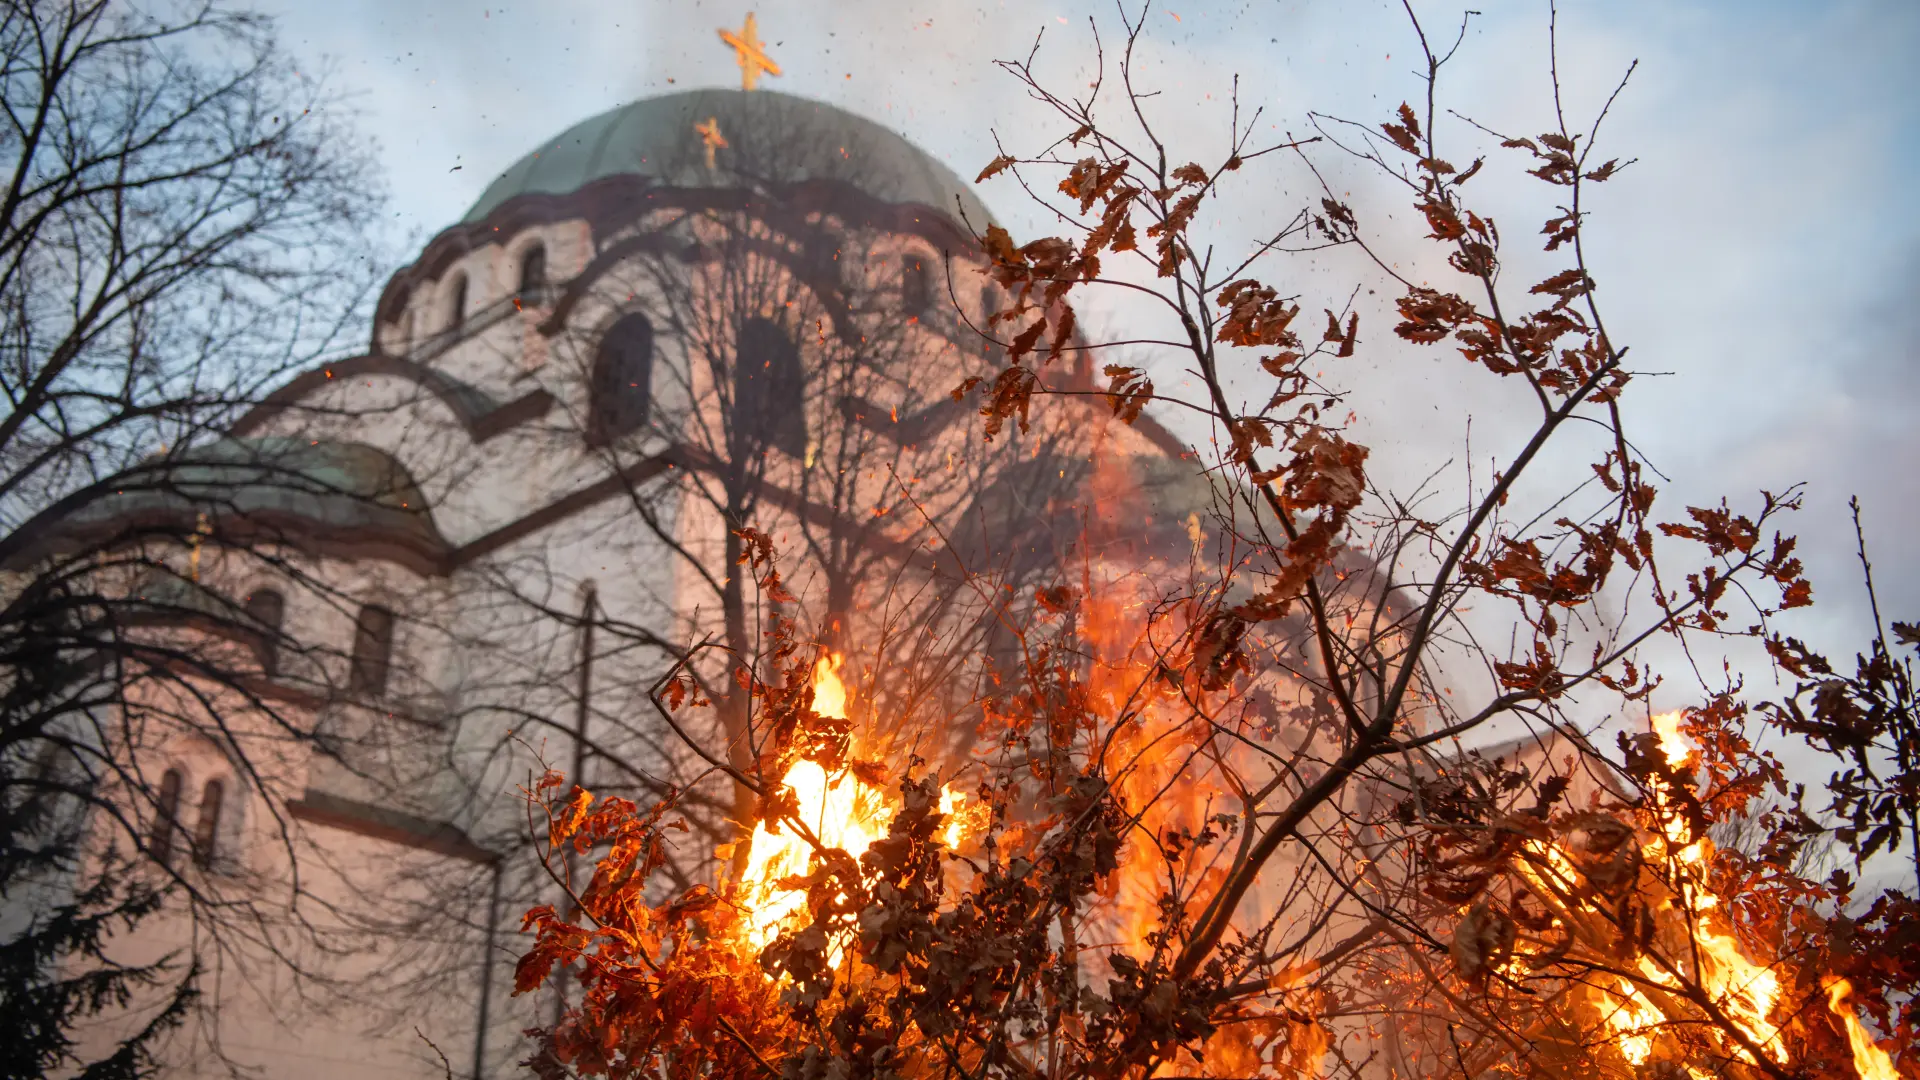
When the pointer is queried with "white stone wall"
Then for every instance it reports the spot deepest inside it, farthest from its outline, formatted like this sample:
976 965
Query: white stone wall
483 685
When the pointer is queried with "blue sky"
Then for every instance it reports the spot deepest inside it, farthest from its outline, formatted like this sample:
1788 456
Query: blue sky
1763 252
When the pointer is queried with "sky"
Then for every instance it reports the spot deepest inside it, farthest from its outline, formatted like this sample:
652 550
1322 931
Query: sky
1760 257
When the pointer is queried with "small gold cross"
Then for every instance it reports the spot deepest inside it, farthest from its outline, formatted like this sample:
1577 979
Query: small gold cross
752 53
201 530
709 132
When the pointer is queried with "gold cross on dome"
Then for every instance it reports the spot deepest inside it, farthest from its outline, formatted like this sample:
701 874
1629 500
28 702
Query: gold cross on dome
751 52
201 530
709 132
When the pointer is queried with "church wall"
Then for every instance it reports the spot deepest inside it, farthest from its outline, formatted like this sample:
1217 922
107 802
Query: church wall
486 683
327 988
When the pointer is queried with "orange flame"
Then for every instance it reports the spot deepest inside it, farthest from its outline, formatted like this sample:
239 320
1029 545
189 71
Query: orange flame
1747 992
1871 1062
841 810
1673 744
1633 1021
829 693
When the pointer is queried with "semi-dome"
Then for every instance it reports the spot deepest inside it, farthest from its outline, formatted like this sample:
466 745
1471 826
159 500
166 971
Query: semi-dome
347 498
771 138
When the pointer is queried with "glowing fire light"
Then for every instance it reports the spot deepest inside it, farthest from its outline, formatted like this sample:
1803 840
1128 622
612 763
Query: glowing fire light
1673 744
953 805
1871 1062
1633 1020
1746 991
840 809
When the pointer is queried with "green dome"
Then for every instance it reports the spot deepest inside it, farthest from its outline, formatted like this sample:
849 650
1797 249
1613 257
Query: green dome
350 497
771 138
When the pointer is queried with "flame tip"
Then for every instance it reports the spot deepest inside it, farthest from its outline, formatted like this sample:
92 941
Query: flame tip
842 810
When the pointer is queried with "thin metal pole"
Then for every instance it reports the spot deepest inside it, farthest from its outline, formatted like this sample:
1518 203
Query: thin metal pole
582 711
486 976
583 699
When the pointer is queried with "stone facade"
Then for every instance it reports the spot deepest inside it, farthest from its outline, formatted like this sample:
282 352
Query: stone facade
489 534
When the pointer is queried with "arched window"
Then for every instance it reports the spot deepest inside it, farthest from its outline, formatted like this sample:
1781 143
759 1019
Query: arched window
533 276
457 304
769 386
622 376
206 831
372 651
916 286
166 817
266 609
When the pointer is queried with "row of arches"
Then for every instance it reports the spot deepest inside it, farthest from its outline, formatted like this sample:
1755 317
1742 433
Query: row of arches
370 663
448 317
531 290
768 379
168 824
769 382
532 287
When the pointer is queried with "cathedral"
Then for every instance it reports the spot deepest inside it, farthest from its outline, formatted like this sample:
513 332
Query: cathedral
675 331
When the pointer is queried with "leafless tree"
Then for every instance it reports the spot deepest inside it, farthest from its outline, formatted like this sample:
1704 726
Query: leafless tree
183 222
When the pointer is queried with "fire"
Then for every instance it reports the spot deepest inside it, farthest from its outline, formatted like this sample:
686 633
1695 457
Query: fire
1871 1062
954 805
1673 744
843 813
1633 1020
1748 992
1633 1012
840 809
829 693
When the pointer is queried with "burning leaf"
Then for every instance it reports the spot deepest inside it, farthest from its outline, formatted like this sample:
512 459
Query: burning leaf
1217 653
1057 599
1603 849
